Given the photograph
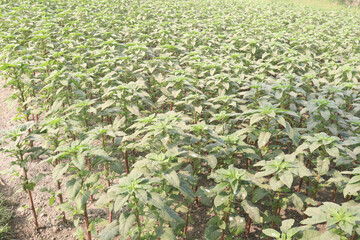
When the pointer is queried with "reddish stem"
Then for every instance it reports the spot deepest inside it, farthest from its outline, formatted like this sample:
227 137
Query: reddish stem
302 179
248 226
107 169
186 224
307 184
196 198
126 162
31 201
33 209
88 233
300 184
333 195
61 201
110 216
90 168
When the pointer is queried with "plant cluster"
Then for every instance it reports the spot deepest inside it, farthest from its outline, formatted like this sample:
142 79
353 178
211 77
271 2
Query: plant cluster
159 110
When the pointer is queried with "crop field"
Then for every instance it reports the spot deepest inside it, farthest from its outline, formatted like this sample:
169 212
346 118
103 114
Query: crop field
198 119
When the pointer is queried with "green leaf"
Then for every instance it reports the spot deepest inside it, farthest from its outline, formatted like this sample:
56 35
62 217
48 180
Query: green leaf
220 200
329 235
258 194
64 207
255 118
212 233
211 160
251 210
313 146
38 177
264 138
281 121
125 224
316 216
271 233
134 110
59 171
165 233
29 186
186 190
286 225
171 216
173 179
51 200
73 187
106 104
325 114
110 231
275 184
297 201
117 167
120 202
322 166
287 178
236 225
85 198
334 152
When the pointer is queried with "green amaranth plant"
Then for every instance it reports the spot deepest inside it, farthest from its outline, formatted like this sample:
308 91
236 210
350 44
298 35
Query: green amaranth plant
145 214
232 189
282 170
288 232
19 145
342 221
179 90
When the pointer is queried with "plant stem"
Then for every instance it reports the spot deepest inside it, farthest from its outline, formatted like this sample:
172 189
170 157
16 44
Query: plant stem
137 220
307 184
353 236
61 200
248 226
31 201
196 198
88 233
126 162
301 182
108 185
333 195
302 179
33 209
90 169
225 219
316 186
186 223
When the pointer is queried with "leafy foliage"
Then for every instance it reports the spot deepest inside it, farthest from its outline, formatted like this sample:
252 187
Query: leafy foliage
159 110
